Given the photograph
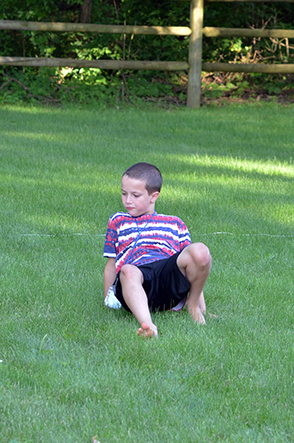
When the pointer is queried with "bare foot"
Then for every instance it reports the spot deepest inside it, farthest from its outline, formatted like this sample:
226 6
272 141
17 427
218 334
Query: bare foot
146 331
197 315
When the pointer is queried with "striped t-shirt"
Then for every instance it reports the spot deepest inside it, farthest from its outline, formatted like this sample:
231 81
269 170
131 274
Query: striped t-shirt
144 239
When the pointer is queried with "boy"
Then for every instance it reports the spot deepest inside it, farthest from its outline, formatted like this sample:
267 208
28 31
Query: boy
150 256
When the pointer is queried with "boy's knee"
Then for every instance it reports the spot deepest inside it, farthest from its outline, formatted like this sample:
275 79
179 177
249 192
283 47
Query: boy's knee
129 272
200 254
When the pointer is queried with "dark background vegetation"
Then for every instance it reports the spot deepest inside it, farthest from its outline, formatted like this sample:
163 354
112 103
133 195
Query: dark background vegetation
58 85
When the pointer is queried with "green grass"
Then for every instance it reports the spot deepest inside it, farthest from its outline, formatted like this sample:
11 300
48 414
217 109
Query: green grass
72 369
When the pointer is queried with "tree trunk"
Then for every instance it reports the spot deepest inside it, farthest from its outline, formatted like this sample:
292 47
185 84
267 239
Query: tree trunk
85 12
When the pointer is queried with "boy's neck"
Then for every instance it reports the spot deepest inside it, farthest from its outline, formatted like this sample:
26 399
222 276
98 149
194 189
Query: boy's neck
143 215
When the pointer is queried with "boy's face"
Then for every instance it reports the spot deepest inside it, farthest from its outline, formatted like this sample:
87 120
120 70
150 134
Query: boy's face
135 197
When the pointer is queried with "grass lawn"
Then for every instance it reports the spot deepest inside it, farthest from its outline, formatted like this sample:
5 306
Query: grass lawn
70 368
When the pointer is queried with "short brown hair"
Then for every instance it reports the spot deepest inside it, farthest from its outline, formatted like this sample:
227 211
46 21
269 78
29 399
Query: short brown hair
148 173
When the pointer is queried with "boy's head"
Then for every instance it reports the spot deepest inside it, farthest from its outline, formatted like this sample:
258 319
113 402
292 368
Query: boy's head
147 173
141 184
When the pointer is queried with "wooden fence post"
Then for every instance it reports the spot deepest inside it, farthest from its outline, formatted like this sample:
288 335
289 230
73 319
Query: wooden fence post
195 54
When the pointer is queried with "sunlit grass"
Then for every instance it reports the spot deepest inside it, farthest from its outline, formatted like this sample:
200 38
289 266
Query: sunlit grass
269 167
70 368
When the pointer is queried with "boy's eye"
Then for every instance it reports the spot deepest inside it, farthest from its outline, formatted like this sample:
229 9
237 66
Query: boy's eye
136 195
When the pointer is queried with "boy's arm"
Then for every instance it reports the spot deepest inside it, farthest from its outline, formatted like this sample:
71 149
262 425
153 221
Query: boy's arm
109 274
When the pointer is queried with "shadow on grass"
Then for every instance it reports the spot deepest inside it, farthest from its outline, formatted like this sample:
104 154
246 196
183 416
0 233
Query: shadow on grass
60 169
252 132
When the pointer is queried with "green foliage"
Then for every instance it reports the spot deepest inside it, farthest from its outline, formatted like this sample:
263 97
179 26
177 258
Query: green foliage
89 86
83 86
76 84
163 13
245 86
246 15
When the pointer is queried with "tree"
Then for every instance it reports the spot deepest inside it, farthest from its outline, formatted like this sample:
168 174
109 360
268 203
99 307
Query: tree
85 12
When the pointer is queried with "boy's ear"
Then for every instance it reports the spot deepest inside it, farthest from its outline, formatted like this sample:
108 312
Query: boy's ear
154 196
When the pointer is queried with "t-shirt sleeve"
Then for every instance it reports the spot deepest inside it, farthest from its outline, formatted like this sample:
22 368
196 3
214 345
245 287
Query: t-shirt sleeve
184 235
110 240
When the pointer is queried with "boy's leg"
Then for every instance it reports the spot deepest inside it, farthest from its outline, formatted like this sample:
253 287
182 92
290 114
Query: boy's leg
195 263
131 279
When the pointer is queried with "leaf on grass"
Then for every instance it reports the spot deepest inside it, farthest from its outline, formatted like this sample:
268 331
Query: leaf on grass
212 315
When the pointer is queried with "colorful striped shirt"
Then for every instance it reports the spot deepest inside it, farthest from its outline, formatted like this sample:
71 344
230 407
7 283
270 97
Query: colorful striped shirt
144 239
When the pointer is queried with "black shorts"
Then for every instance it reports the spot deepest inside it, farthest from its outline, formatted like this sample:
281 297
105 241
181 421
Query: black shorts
164 284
